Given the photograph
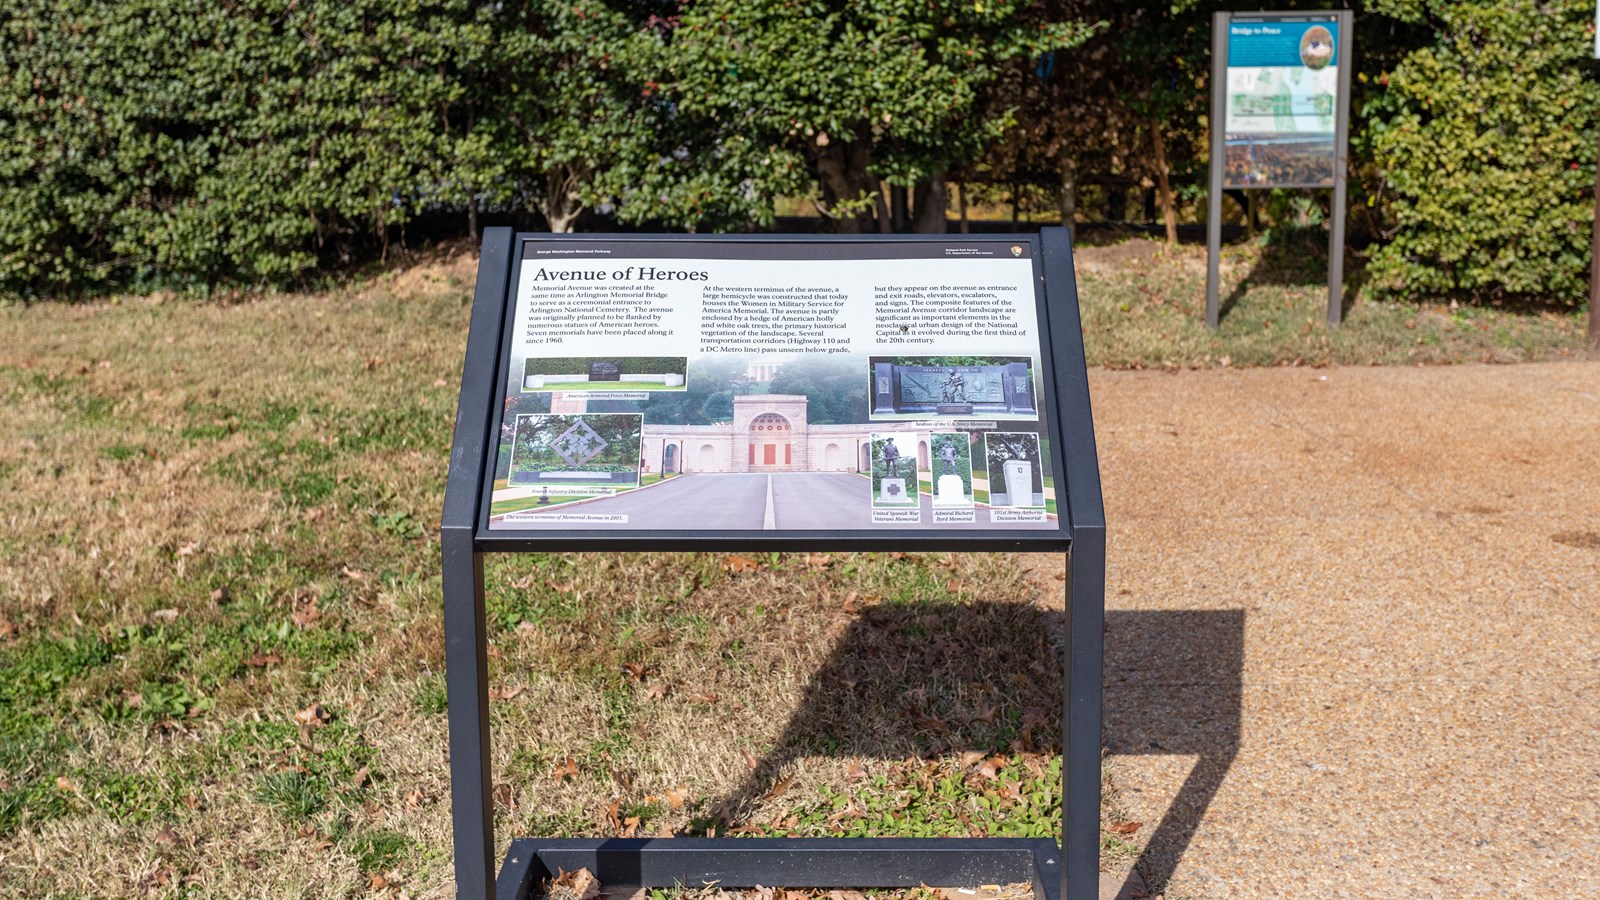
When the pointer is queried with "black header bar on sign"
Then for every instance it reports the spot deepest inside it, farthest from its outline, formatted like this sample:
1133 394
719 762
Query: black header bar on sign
723 248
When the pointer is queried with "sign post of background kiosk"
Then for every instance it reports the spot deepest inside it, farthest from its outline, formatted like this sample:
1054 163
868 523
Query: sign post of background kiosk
1280 118
961 358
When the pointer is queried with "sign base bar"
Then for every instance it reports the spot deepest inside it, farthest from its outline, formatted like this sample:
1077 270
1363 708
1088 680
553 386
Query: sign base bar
785 863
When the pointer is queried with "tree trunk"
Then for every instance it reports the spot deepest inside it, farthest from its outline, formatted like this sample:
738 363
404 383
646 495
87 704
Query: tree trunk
472 218
1069 193
1117 203
899 209
961 201
1169 210
929 202
846 188
562 202
881 202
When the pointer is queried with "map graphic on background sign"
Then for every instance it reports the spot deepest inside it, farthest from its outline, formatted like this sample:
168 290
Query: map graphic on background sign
1281 103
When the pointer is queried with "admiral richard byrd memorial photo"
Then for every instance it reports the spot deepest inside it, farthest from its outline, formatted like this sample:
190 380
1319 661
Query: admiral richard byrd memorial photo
788 386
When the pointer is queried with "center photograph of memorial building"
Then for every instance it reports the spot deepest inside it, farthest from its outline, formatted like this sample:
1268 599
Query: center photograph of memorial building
786 443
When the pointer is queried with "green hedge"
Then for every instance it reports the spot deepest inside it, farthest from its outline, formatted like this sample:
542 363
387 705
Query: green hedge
167 141
1485 145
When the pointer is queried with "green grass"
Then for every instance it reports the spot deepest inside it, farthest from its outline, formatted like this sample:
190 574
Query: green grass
1274 303
601 386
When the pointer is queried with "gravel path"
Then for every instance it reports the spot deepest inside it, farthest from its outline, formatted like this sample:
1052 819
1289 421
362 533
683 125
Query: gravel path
1353 640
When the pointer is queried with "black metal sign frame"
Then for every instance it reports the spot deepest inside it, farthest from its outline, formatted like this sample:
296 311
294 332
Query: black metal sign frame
1068 871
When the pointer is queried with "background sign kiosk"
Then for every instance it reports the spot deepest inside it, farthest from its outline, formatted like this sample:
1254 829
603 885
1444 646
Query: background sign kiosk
978 437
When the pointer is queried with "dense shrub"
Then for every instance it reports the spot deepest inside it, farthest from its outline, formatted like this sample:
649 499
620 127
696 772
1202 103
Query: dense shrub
168 140
1485 143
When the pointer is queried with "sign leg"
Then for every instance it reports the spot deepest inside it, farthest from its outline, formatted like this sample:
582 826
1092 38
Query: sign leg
1080 774
1219 71
467 690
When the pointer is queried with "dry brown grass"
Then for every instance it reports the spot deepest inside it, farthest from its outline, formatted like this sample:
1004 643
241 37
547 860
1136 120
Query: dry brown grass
216 516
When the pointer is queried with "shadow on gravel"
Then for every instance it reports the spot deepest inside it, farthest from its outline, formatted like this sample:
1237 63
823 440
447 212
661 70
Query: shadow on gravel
1174 680
919 681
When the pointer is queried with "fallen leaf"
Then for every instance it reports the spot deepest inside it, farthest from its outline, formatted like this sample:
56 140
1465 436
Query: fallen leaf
677 796
496 693
505 797
352 574
526 627
738 564
167 836
313 514
818 560
222 595
189 549
779 788
971 758
439 382
261 660
191 801
703 698
165 615
991 767
855 771
634 671
311 718
377 882
579 885
656 691
568 769
360 779
750 761
8 629
373 363
1125 827
63 783
307 615
414 799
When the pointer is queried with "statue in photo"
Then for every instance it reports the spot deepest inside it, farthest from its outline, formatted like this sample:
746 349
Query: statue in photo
948 453
891 458
953 389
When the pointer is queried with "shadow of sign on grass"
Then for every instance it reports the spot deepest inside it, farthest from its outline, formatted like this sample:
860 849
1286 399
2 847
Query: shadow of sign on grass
918 681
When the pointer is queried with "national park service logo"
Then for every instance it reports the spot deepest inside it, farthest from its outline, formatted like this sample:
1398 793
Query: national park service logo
1016 249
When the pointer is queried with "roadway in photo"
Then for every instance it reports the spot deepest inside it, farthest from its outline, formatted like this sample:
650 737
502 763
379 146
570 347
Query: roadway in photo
739 501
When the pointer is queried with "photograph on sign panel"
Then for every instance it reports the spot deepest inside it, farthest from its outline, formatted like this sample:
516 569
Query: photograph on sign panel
890 467
559 459
604 373
1281 103
1016 471
774 425
952 469
920 387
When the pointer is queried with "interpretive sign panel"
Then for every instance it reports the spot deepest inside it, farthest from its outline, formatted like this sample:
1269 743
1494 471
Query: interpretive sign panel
1282 101
1282 96
792 385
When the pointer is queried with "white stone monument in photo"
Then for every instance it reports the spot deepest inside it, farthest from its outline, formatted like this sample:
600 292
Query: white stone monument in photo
893 490
1019 482
951 491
